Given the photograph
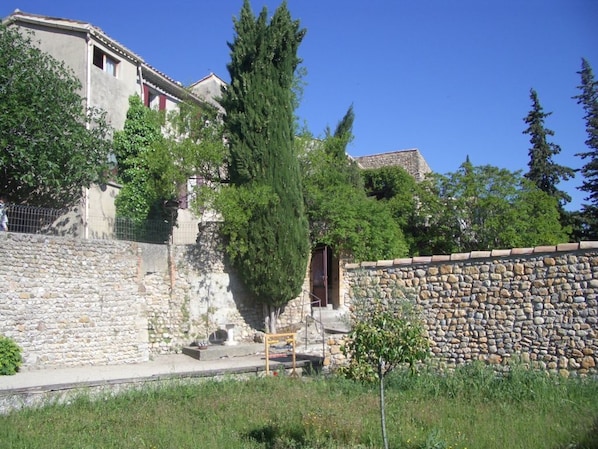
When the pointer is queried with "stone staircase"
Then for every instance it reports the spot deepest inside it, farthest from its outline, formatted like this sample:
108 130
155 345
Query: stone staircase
311 335
333 321
323 321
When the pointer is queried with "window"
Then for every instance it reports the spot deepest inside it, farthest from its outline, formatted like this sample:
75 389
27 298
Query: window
107 63
152 99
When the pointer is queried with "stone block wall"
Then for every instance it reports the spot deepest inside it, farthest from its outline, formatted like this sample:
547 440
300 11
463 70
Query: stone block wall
538 303
71 302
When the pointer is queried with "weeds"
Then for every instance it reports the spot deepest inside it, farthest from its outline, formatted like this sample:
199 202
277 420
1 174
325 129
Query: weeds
469 407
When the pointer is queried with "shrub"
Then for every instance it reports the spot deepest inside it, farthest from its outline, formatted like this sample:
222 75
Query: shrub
10 356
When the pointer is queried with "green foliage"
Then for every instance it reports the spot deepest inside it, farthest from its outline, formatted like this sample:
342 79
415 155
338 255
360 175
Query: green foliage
340 213
10 356
240 206
588 98
156 154
50 145
543 171
386 333
483 208
399 190
143 168
272 251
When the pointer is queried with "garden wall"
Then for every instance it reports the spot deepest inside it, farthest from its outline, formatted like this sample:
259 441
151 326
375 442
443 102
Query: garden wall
73 302
540 303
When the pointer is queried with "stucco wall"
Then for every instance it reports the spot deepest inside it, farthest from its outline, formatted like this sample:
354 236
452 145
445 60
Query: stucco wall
539 303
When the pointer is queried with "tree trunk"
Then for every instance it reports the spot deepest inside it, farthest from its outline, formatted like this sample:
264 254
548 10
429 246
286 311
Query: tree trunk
382 413
271 314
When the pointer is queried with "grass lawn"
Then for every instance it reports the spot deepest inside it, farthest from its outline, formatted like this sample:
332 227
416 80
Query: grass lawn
471 408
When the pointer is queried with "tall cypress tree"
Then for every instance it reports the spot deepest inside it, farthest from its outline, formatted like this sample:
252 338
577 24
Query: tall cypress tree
543 171
260 127
588 98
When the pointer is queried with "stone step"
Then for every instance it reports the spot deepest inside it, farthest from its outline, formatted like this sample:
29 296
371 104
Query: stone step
216 352
332 320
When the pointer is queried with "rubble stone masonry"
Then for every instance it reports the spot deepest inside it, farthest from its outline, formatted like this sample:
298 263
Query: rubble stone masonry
70 302
540 304
74 302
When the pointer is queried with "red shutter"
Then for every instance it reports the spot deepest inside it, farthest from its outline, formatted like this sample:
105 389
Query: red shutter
146 95
162 105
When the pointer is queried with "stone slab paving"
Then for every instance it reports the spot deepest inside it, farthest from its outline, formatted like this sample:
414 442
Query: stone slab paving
29 388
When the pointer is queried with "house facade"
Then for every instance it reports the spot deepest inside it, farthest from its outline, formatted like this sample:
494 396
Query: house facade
108 71
109 74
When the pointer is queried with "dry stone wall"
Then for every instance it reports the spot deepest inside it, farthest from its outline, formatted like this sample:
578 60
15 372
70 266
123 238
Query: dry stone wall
70 302
73 302
538 303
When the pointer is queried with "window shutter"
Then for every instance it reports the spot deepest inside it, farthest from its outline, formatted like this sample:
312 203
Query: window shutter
162 105
146 95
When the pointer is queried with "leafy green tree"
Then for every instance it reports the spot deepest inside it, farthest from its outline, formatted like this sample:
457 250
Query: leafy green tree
385 334
134 147
260 125
398 189
156 155
588 98
51 146
483 208
543 171
340 213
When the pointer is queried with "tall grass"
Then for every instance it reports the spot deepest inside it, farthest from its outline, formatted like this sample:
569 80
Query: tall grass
471 407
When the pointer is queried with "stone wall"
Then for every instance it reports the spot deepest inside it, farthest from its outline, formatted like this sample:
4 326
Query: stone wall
540 303
72 302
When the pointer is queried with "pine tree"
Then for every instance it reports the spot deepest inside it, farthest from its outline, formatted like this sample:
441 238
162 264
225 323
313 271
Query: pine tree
543 171
588 98
260 127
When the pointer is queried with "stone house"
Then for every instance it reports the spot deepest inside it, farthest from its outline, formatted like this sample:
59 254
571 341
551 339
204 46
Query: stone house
411 160
109 74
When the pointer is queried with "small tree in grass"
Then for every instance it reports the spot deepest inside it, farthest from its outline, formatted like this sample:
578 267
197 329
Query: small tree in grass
385 334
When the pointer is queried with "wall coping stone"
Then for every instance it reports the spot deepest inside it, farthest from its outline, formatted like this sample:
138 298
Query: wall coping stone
500 252
521 251
567 247
460 256
416 260
545 249
480 254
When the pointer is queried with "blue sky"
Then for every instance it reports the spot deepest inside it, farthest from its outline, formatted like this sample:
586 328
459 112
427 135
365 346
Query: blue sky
450 77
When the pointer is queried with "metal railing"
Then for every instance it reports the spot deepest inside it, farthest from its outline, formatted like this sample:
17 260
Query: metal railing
71 223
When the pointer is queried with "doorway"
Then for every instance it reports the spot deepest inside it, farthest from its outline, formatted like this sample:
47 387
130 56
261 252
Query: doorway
324 276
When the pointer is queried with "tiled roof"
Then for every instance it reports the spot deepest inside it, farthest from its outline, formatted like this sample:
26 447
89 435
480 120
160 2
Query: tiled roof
78 25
